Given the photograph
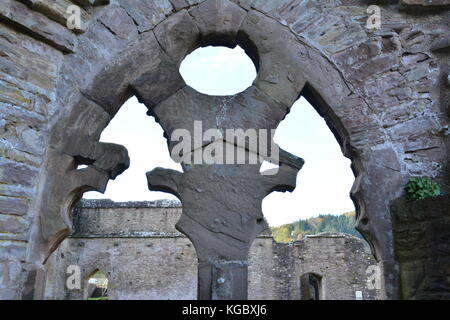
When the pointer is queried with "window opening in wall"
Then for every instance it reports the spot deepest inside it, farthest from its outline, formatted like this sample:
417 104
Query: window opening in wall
310 287
147 149
218 71
321 201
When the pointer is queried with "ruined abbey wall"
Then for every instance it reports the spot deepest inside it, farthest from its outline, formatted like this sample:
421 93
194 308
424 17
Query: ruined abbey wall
137 247
384 92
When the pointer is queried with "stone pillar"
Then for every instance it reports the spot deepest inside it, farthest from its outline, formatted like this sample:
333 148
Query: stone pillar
33 282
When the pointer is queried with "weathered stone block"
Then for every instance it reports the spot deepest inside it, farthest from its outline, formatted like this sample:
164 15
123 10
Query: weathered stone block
151 79
267 7
12 250
377 87
23 130
414 127
117 20
441 43
33 280
194 2
12 95
16 155
11 205
375 66
16 191
9 294
17 173
28 66
219 22
275 78
179 4
13 224
10 273
425 3
420 71
178 36
338 37
307 18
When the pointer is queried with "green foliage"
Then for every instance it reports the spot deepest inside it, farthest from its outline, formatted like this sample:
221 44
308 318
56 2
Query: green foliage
281 234
421 188
344 223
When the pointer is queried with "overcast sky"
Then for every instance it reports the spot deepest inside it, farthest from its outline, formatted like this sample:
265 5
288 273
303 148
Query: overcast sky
323 185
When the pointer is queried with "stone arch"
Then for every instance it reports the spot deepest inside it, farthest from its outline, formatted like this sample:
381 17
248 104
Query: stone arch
110 78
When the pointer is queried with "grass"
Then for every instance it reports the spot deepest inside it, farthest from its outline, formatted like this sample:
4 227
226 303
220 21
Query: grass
99 298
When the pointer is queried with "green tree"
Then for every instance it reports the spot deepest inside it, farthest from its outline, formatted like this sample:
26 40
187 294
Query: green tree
281 234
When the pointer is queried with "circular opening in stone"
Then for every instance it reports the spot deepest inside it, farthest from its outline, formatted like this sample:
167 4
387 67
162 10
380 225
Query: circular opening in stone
218 71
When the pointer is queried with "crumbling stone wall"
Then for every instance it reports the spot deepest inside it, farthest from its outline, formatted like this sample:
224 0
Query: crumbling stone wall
143 256
135 245
384 93
343 263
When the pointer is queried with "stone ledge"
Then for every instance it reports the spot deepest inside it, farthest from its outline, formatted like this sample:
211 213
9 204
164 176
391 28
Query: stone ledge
138 235
425 3
331 235
131 235
327 235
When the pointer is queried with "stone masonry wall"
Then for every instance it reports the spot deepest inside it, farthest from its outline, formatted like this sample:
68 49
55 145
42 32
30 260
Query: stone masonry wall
136 246
342 261
388 90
